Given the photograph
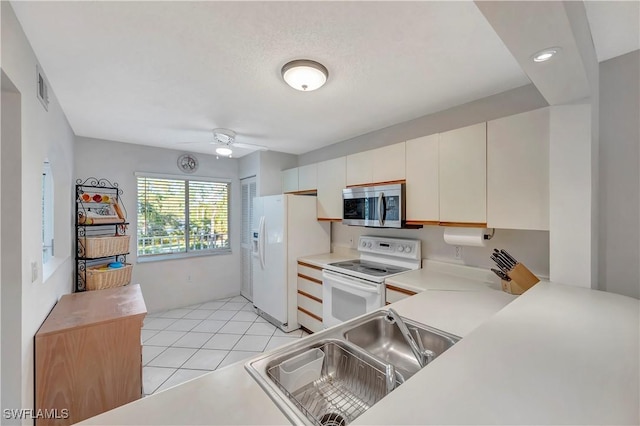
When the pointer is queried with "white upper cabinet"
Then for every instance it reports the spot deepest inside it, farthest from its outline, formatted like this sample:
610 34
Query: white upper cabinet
332 180
359 168
384 164
290 180
422 188
308 177
463 175
388 163
518 171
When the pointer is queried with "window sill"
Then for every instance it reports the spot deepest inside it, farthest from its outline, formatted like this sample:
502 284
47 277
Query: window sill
49 268
177 256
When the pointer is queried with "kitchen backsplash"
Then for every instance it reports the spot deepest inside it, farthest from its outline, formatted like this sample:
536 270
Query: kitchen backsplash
529 247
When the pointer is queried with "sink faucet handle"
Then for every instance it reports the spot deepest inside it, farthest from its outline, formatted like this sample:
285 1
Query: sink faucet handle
427 355
390 377
418 339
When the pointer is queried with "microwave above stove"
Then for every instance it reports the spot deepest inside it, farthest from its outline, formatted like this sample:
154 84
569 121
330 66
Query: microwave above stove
380 206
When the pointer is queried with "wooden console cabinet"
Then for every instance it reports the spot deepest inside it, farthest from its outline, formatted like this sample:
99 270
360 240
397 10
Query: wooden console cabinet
88 354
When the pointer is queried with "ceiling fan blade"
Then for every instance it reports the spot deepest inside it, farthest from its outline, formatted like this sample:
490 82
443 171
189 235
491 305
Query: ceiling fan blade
192 143
250 146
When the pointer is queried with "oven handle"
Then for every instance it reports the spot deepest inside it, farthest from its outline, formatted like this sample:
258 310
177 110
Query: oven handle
350 282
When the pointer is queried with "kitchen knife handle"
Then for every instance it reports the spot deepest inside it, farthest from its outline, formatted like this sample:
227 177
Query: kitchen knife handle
511 258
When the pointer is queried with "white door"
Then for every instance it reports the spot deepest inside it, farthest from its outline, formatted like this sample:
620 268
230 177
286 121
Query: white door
248 194
270 279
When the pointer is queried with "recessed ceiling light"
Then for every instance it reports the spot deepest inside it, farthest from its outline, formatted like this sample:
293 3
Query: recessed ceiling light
224 151
546 54
304 74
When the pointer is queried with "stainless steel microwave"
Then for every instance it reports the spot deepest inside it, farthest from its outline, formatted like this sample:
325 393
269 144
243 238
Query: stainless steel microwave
375 206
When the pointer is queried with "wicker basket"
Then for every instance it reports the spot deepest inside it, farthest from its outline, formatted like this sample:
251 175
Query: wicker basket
107 278
83 220
101 246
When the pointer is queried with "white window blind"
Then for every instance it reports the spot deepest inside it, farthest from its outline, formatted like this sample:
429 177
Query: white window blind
182 216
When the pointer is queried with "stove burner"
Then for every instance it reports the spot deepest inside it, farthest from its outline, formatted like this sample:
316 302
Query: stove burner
369 268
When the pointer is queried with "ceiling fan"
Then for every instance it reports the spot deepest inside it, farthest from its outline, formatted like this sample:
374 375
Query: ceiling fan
225 140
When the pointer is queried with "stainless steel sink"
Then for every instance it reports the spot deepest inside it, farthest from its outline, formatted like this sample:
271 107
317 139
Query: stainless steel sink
361 363
382 338
349 382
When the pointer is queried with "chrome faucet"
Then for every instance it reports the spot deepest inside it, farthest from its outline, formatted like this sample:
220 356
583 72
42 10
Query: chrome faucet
424 356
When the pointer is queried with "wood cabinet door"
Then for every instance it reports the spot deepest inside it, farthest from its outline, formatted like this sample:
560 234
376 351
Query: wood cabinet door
360 168
389 163
463 175
422 181
290 180
518 171
332 180
308 177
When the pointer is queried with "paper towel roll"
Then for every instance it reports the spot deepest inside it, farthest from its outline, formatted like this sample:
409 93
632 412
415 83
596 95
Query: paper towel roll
466 236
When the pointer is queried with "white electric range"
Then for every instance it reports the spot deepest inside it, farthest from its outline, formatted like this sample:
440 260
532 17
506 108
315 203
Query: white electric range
354 287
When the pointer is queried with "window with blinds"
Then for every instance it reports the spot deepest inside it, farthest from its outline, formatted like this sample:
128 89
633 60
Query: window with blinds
178 216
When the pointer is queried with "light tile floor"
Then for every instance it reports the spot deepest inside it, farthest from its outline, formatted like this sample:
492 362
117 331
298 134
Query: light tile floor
181 344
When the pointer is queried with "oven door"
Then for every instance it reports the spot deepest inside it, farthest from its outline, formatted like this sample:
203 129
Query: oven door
359 207
345 297
374 206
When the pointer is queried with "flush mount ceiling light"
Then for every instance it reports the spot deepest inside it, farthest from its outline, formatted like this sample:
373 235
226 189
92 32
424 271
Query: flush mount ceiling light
224 151
304 74
545 55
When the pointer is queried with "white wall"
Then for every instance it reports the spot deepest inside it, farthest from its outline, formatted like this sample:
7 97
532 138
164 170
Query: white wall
10 275
267 167
570 196
521 99
44 134
619 202
529 247
165 284
271 165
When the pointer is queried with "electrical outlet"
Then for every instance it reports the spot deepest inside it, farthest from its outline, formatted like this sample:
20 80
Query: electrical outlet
34 271
458 252
189 278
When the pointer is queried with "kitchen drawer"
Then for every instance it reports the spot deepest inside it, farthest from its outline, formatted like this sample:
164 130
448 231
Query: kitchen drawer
311 287
309 322
311 271
395 294
310 303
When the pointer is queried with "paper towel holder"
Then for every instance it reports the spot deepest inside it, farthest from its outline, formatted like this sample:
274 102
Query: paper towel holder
467 236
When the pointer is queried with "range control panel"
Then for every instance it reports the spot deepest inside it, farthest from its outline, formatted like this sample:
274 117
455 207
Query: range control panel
396 247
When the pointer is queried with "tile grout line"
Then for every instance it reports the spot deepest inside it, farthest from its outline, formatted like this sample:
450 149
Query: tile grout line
213 334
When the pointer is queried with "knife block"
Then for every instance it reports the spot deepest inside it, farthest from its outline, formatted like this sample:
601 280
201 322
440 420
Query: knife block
522 279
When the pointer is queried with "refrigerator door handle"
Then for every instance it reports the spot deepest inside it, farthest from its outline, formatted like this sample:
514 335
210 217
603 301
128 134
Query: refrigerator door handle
261 237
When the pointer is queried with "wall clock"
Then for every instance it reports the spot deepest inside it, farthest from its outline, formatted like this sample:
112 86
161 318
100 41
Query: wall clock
188 163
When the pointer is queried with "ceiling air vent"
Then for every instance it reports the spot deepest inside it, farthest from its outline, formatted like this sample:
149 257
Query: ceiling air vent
43 89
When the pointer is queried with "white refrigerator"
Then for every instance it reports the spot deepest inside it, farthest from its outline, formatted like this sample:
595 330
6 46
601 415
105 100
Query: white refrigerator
284 228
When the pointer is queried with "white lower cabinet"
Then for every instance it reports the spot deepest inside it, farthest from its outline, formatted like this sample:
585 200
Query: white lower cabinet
394 294
310 296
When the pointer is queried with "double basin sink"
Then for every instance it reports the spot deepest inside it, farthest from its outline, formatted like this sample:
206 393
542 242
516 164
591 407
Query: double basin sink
333 377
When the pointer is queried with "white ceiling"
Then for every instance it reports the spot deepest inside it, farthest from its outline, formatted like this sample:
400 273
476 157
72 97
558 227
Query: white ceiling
161 73
615 27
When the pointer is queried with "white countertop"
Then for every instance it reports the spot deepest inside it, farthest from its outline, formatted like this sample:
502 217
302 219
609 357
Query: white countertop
229 396
322 260
557 354
440 276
